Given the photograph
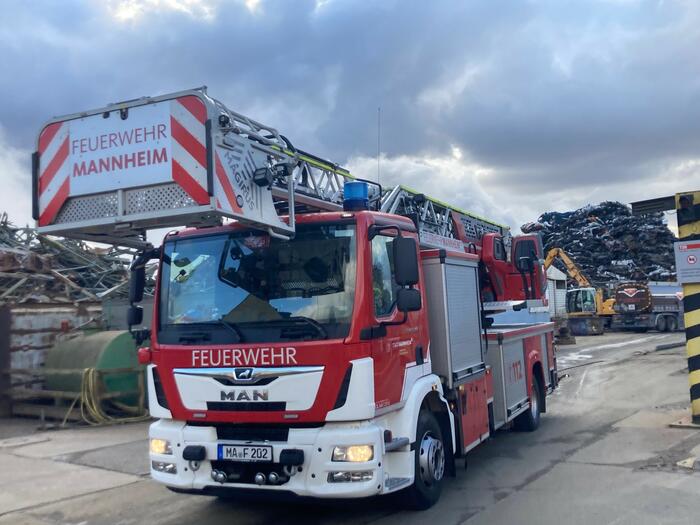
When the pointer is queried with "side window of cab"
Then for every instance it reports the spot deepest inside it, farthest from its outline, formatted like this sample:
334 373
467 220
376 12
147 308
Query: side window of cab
384 287
499 251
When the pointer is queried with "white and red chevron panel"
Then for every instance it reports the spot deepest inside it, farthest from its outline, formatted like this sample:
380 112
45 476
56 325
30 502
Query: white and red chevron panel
146 145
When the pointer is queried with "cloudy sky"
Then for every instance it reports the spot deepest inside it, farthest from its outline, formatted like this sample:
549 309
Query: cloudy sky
506 108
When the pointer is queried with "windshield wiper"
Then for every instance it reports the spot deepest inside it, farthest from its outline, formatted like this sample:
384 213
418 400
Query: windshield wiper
202 335
193 337
294 320
233 327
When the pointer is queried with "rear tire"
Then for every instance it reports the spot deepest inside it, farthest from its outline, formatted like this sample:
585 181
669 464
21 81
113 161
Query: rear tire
661 324
430 458
672 324
529 420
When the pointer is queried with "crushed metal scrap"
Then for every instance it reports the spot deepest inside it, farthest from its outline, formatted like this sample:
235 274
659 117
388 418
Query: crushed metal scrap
38 268
609 243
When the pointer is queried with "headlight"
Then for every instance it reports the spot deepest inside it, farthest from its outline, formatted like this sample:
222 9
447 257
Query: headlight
160 446
354 453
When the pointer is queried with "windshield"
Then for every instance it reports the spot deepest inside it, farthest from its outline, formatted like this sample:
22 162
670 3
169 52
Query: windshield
581 300
249 287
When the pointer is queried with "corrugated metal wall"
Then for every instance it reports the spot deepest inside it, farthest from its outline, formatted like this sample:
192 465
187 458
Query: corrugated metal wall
556 297
34 328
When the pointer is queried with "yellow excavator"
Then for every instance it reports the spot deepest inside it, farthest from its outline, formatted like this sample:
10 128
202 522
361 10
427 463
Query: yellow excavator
588 310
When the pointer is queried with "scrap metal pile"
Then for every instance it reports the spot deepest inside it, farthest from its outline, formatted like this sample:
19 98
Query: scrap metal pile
609 243
37 268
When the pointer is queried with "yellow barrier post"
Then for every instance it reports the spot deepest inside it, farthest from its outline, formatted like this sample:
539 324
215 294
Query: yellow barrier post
688 271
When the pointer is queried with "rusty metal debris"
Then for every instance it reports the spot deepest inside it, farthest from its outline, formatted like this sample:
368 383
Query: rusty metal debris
610 244
38 268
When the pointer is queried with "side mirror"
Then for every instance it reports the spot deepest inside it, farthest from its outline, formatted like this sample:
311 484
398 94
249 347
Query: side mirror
408 300
137 282
525 265
134 316
405 261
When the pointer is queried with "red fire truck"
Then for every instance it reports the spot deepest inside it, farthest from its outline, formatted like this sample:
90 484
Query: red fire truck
312 333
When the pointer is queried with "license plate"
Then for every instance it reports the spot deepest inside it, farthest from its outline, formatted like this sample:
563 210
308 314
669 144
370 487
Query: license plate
247 453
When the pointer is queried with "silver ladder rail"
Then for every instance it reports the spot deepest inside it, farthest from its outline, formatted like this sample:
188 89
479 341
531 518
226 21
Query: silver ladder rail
436 217
312 183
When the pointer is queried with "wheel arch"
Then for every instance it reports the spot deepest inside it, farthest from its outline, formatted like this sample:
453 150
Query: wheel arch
440 408
426 392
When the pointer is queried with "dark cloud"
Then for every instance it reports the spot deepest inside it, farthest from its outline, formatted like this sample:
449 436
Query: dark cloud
546 96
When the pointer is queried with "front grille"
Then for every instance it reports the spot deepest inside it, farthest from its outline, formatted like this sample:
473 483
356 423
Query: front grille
230 381
244 406
252 433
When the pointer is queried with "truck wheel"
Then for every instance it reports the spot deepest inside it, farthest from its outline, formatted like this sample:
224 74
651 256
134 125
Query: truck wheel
672 324
530 419
429 464
661 323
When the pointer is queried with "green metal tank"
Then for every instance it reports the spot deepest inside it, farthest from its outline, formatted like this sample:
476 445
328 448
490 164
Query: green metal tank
100 350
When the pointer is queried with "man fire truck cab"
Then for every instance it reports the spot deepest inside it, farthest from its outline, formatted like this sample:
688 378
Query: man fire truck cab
312 334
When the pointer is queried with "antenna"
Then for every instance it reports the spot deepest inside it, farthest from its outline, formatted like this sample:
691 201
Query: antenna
379 140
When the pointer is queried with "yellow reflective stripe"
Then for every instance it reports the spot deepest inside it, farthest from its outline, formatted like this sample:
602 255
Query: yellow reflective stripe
695 407
345 173
694 378
314 162
695 194
689 229
463 212
692 318
693 347
694 227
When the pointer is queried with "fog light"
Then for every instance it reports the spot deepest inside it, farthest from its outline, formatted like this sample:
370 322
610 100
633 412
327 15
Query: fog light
354 453
164 466
345 477
160 446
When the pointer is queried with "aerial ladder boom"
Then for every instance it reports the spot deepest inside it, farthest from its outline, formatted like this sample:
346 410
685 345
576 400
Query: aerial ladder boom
185 159
437 221
182 159
198 163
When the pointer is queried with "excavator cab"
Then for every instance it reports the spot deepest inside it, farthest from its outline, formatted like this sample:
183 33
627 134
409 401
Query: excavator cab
582 306
581 300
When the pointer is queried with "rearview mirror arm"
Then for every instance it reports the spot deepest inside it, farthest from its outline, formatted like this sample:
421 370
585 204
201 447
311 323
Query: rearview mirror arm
142 258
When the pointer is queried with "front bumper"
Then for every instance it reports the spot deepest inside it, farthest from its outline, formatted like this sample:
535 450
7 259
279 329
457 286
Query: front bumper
307 479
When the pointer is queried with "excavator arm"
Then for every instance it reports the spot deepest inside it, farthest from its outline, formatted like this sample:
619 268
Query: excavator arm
571 267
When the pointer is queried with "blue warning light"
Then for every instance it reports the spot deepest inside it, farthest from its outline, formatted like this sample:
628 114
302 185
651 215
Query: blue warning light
356 196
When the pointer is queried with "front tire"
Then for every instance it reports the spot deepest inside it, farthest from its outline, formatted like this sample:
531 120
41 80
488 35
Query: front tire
529 420
430 460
